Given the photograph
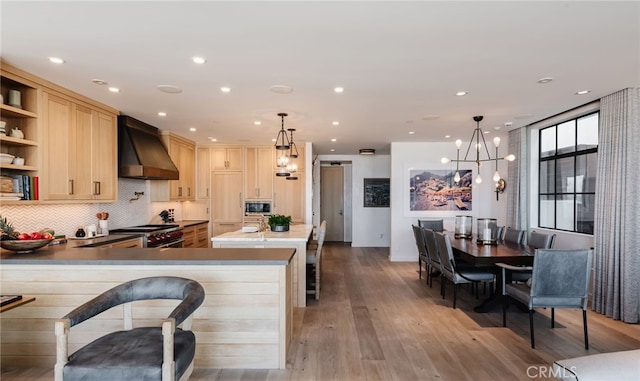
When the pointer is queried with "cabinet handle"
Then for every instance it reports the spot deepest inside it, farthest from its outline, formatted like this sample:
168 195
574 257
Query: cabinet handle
179 191
274 200
207 192
240 200
70 186
258 192
96 188
189 191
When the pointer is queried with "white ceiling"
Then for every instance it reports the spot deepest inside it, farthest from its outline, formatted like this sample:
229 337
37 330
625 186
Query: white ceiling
399 63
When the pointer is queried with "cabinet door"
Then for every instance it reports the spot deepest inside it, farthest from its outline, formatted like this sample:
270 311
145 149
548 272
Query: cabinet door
104 157
203 173
218 159
259 175
202 236
227 197
234 159
175 191
189 236
57 117
80 163
289 197
226 159
187 169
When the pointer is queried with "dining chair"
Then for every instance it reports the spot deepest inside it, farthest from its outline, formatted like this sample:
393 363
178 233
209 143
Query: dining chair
142 353
468 275
435 266
435 225
559 279
537 241
500 233
514 236
422 251
314 262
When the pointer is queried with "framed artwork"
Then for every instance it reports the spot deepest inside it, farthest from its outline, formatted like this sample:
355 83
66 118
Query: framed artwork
436 191
376 193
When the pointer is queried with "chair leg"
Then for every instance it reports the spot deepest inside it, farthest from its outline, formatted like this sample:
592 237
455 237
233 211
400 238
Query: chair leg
505 300
455 292
553 317
586 334
428 272
533 344
419 268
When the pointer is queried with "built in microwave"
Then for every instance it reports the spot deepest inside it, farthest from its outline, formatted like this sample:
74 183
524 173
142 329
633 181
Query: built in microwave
257 207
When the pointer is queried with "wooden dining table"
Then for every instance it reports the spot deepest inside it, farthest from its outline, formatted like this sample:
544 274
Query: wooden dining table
486 256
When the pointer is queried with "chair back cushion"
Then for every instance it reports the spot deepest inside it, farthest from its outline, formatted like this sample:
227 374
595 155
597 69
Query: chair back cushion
540 240
445 253
435 225
432 247
513 235
560 278
420 243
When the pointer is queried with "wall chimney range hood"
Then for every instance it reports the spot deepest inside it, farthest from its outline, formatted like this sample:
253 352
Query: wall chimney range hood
141 153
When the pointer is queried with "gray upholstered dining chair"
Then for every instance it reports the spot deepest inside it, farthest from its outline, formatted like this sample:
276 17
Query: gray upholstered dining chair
514 236
314 263
422 251
455 274
537 241
435 225
142 353
435 265
559 279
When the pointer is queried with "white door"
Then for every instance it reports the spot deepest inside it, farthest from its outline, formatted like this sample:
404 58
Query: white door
332 201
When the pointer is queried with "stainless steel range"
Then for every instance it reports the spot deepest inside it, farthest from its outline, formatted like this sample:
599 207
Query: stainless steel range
162 235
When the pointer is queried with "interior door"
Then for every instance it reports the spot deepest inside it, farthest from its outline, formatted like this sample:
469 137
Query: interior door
332 201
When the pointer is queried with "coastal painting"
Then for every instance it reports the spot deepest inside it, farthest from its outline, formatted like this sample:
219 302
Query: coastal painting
436 190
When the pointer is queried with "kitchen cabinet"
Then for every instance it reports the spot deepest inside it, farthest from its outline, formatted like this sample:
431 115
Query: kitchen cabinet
203 173
196 236
79 150
227 200
182 152
129 243
289 197
226 159
259 174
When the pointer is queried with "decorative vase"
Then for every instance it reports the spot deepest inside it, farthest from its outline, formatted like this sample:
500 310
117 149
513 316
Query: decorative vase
279 228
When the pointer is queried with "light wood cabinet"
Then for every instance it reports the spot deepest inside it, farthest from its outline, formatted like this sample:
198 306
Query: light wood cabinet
226 159
79 151
227 201
196 236
289 197
203 173
259 174
129 243
182 152
225 227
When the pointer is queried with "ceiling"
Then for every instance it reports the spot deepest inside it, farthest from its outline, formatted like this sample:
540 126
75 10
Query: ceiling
400 64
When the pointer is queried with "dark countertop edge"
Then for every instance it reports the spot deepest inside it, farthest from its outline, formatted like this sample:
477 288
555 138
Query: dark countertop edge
187 223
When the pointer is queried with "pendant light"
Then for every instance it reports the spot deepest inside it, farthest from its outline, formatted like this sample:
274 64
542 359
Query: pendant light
283 146
292 166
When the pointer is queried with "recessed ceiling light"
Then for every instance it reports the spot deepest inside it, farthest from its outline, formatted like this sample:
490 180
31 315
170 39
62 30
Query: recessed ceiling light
486 131
544 80
447 136
198 60
213 139
332 150
162 113
192 129
338 89
273 140
334 140
462 93
56 60
99 82
225 89
411 132
257 122
430 117
170 89
335 123
583 92
281 89
367 151
114 89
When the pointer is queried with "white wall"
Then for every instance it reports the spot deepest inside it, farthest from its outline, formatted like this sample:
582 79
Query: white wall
370 226
406 156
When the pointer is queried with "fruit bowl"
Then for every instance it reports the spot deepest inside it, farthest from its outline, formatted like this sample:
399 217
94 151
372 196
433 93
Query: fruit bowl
24 246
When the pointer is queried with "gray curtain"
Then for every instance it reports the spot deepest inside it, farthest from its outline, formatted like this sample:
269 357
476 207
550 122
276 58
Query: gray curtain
518 180
616 283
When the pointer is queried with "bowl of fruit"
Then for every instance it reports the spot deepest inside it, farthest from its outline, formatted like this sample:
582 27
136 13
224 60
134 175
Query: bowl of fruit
23 242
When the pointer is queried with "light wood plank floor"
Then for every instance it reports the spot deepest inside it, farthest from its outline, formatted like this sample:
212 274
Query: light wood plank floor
376 320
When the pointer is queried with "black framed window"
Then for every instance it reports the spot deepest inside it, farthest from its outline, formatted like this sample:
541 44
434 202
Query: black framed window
567 174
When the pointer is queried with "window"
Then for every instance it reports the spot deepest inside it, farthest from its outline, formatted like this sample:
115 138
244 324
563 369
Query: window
567 177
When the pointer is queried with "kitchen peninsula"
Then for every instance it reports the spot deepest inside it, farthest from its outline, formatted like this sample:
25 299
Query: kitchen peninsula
297 237
244 322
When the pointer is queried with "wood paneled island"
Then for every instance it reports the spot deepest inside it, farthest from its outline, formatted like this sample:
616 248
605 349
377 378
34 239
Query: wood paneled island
244 322
297 237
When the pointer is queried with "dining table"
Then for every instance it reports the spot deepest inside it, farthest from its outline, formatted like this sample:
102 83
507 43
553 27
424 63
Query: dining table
486 256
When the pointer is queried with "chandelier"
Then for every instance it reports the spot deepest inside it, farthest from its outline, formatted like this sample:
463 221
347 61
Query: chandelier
292 166
283 147
477 135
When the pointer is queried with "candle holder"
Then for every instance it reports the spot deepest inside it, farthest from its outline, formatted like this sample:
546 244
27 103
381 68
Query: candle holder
487 233
464 225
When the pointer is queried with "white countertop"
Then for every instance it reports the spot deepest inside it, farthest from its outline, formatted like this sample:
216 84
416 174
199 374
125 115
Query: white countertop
295 233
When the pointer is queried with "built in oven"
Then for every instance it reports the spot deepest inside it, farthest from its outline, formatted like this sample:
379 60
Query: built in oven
257 208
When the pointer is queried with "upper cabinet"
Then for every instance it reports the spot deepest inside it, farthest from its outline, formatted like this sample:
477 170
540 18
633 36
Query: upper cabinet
203 173
79 150
226 159
182 152
258 174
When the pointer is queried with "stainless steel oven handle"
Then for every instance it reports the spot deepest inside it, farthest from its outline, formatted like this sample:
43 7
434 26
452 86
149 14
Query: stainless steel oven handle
172 243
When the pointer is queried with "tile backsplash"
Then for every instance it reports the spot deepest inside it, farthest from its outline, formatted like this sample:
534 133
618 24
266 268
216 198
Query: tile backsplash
65 218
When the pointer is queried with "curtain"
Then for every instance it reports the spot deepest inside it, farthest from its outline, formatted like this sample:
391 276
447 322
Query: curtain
616 286
518 179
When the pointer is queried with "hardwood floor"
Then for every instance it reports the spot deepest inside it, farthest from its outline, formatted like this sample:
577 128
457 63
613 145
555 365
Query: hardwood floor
376 320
